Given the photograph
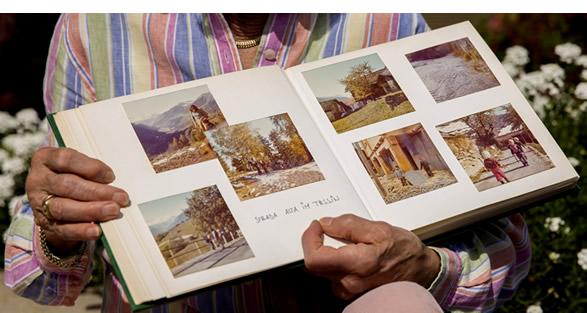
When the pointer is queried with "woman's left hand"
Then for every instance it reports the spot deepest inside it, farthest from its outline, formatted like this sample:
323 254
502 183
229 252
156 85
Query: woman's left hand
376 253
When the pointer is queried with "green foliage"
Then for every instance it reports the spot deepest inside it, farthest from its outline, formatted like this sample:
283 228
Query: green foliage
556 281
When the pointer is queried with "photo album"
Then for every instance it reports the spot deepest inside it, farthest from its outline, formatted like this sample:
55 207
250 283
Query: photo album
225 173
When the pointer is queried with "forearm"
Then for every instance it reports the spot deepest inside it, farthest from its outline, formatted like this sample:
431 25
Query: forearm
29 274
482 267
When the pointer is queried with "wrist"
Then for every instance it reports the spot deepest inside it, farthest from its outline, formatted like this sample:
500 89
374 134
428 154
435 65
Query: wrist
67 256
62 248
430 265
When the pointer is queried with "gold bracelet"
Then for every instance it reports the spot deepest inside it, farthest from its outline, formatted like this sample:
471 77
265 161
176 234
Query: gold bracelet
61 262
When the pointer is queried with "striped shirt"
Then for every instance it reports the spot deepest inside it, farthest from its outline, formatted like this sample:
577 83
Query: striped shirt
96 57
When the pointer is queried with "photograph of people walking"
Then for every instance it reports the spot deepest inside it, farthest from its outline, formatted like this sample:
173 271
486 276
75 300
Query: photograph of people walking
495 147
403 163
357 92
172 131
453 69
195 231
264 156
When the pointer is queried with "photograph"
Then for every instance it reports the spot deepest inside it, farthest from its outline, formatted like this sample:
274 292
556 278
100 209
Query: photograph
495 147
403 163
195 231
171 127
264 156
453 69
357 92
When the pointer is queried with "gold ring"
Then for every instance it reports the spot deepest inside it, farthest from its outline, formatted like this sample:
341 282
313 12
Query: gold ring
45 207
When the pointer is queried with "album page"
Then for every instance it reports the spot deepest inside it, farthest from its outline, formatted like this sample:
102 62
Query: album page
430 128
224 175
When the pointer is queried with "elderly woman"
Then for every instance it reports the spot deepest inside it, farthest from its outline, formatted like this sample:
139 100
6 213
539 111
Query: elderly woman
50 247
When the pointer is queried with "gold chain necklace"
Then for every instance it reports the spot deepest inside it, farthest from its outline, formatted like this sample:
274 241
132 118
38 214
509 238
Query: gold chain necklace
245 44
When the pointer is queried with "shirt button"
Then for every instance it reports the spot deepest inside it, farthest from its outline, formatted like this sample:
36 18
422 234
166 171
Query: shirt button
269 55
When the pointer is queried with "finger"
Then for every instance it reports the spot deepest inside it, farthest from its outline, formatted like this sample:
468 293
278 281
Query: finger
75 231
67 210
339 291
355 229
65 160
74 187
312 238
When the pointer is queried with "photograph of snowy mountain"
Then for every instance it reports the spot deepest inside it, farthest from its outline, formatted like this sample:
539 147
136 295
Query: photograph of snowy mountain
357 92
195 231
495 147
453 69
171 127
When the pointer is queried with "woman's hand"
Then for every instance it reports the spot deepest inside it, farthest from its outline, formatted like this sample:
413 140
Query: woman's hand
377 253
81 192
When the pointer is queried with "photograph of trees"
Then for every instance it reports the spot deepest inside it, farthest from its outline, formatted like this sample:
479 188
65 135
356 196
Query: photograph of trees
195 231
453 69
403 163
495 147
264 156
171 127
357 92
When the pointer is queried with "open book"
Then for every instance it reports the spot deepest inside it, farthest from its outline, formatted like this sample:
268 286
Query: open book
428 133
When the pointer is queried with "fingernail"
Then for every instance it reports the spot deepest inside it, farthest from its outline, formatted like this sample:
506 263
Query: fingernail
93 231
326 221
109 176
121 198
110 210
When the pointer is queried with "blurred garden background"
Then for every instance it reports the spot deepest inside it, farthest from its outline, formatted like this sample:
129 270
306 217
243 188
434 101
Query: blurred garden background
546 54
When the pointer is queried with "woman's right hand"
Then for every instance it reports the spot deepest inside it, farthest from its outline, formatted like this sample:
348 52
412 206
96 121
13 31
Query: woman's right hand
82 196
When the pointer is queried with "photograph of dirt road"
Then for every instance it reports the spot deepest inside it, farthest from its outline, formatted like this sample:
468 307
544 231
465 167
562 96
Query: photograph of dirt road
403 163
495 147
171 127
453 69
264 156
357 92
195 231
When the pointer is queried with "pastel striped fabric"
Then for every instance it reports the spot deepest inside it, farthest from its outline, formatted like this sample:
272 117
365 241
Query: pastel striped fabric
95 57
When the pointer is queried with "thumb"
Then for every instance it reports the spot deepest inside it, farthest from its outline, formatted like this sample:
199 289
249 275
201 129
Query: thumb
351 228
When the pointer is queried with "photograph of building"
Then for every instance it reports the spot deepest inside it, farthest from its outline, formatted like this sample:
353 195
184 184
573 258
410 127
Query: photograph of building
403 163
357 92
495 147
195 231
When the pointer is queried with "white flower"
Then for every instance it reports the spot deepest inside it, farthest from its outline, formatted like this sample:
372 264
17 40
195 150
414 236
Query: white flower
568 52
516 55
534 308
44 126
6 186
582 60
553 72
511 69
3 155
574 162
23 145
27 118
584 75
7 122
583 107
553 256
13 166
582 259
581 91
554 223
539 103
566 230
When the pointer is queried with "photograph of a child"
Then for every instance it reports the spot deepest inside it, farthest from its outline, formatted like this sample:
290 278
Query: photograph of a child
171 127
264 156
495 147
453 69
357 92
195 231
403 163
